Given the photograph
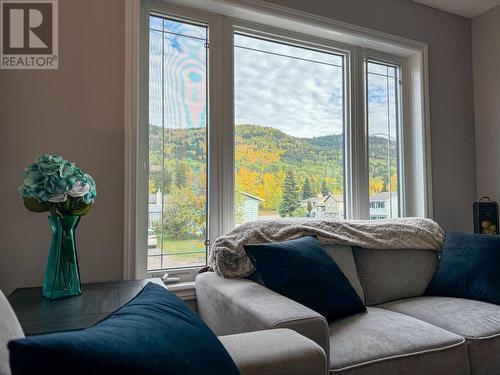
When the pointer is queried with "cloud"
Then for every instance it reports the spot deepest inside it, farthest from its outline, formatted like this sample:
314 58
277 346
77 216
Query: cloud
299 97
381 105
177 76
296 90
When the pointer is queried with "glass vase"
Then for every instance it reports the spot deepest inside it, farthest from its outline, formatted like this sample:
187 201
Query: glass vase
62 275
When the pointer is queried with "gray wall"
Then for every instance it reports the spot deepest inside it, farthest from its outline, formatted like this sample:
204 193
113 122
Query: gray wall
486 61
77 111
451 100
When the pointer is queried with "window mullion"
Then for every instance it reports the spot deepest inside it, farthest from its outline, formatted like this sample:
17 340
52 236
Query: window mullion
227 128
214 139
221 143
359 199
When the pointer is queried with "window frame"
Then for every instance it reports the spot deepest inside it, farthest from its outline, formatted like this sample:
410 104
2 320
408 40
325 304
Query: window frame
299 40
214 220
183 270
223 20
402 64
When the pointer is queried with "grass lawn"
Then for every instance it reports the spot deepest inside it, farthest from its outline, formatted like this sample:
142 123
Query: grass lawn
178 253
193 246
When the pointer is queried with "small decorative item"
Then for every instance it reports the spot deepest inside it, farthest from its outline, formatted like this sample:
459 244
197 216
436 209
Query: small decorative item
53 184
486 216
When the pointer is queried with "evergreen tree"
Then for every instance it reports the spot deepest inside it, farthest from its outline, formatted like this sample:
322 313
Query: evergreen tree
324 189
180 175
290 200
309 208
307 189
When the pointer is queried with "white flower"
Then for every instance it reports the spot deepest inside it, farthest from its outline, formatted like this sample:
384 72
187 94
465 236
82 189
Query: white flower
79 190
58 198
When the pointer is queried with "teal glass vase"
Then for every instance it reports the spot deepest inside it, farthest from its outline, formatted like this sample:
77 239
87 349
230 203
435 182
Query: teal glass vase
62 275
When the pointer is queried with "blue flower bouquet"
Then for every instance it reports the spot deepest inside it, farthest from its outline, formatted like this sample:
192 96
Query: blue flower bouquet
53 184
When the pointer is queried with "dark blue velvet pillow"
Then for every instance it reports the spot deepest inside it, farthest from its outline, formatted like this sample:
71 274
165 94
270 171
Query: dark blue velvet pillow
469 268
302 270
155 333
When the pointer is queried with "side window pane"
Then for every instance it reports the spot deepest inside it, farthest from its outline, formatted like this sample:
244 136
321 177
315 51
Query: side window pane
177 207
383 139
289 131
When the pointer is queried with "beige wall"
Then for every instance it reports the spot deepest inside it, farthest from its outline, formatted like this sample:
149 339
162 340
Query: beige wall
77 111
486 61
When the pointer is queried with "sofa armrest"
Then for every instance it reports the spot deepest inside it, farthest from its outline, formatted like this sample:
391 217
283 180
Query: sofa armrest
275 352
232 306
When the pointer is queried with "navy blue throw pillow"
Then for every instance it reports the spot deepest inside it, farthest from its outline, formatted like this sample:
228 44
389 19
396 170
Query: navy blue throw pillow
155 333
469 268
302 271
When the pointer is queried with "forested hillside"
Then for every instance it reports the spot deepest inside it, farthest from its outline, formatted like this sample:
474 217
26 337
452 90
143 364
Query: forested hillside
263 155
280 169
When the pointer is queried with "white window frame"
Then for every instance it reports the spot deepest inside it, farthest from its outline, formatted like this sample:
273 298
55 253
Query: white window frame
300 40
223 18
404 136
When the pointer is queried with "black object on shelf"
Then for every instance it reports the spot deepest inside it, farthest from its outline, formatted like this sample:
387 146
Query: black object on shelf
486 216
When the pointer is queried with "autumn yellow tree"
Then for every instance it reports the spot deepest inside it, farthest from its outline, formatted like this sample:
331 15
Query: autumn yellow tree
376 185
394 183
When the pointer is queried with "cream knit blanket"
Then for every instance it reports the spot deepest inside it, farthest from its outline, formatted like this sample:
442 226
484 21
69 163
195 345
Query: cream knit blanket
228 257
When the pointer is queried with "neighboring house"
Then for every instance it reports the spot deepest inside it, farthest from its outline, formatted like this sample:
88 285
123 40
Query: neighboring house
250 206
331 206
383 205
154 207
310 203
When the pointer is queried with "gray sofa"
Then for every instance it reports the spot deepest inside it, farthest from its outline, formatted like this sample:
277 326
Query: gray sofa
403 332
270 352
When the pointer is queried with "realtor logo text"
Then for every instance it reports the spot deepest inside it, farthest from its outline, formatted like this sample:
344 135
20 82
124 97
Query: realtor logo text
29 37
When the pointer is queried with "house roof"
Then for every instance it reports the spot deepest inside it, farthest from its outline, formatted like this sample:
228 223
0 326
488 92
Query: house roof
312 200
251 196
337 198
382 196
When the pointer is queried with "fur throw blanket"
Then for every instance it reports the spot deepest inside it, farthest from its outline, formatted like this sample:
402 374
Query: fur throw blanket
228 258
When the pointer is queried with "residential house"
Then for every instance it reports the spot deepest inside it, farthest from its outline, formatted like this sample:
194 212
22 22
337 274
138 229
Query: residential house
331 205
154 207
384 205
249 206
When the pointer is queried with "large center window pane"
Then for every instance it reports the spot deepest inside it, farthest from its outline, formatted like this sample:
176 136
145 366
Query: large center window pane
289 131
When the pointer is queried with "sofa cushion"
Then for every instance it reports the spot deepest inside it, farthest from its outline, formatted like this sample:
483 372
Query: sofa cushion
275 352
468 268
343 256
388 275
478 322
385 342
155 333
10 329
301 270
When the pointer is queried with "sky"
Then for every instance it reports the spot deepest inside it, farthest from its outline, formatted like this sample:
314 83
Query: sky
301 95
296 90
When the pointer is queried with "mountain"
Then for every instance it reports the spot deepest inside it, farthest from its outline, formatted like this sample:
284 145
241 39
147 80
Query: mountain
262 151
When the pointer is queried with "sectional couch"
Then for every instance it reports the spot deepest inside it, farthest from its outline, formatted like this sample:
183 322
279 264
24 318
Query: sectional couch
269 352
402 332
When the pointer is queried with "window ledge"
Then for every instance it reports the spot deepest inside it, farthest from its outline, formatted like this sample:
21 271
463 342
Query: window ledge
185 290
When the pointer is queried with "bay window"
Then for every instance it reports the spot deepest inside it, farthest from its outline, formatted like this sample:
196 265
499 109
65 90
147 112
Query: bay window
241 120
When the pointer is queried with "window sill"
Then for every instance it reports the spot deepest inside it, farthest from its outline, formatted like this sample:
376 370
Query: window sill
185 291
